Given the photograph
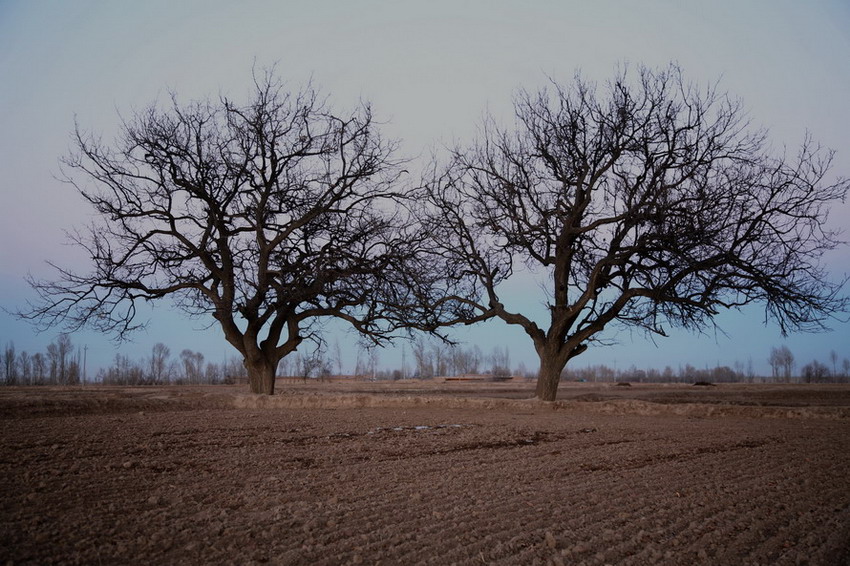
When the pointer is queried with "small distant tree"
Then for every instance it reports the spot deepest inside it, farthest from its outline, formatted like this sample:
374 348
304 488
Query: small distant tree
123 371
53 363
651 204
774 362
39 368
815 372
781 362
374 361
235 371
74 368
633 374
284 366
787 364
308 365
441 355
337 360
64 347
212 373
159 366
10 364
500 361
721 374
521 370
423 358
193 365
25 363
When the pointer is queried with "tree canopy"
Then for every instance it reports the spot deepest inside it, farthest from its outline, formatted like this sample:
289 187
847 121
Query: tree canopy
650 203
268 216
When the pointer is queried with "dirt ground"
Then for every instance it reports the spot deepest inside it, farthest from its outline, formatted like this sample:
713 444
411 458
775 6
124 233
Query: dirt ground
412 473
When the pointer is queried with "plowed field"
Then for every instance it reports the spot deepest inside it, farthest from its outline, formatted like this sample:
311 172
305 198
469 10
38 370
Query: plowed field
426 474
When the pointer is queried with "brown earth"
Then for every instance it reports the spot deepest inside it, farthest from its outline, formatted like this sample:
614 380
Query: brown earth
413 473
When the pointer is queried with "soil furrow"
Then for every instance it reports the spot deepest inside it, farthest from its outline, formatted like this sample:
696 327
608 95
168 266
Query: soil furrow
111 480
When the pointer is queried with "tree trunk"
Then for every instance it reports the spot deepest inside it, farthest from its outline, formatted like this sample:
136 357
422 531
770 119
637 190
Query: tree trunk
261 376
549 376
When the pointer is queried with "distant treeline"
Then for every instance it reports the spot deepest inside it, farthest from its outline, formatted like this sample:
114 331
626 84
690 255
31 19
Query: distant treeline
60 364
814 372
781 361
160 369
64 364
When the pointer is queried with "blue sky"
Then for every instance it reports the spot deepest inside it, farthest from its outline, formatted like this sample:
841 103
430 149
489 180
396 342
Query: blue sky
430 69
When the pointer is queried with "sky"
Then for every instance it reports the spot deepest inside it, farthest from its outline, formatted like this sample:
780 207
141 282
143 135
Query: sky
431 70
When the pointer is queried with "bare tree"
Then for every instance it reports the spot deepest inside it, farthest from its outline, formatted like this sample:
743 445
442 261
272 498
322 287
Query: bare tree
309 365
500 361
74 367
815 372
284 367
652 205
374 360
423 358
475 359
53 360
440 355
212 373
64 347
520 369
159 363
9 364
39 368
787 364
25 362
193 365
337 357
267 217
360 368
781 362
234 370
465 360
123 371
775 363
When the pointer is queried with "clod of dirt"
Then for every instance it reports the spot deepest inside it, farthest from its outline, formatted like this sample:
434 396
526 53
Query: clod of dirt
703 384
623 384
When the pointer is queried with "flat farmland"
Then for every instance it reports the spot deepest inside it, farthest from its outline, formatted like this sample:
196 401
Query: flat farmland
426 473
